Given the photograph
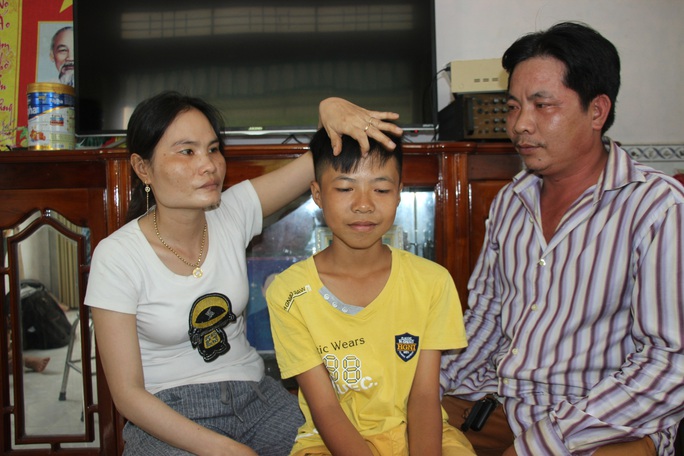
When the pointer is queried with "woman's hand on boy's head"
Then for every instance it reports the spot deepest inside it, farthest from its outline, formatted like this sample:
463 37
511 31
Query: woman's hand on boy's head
341 117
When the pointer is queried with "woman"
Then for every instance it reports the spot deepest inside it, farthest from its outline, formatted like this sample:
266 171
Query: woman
168 289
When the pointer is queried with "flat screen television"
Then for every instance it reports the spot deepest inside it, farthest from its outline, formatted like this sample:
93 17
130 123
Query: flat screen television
264 64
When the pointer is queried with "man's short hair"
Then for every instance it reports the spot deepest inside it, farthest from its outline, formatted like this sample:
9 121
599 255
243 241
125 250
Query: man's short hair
592 63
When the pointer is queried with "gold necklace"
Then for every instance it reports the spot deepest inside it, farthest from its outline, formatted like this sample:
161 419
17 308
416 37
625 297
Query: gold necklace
196 271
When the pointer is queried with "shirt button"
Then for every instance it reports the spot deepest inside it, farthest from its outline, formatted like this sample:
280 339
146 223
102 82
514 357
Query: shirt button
514 351
505 381
542 262
534 307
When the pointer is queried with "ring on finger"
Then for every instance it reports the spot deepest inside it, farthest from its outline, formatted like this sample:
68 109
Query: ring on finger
370 124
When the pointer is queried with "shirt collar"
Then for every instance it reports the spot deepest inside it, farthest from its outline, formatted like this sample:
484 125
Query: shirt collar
620 170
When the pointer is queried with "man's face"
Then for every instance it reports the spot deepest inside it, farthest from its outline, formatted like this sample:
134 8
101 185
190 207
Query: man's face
546 121
63 56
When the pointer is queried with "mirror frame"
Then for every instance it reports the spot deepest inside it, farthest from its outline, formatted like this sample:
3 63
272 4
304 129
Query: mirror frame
46 218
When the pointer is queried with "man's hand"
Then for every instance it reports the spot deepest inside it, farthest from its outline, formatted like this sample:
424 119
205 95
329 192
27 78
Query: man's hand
341 117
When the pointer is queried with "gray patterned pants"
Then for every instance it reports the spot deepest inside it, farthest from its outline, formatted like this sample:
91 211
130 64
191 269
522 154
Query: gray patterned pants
263 416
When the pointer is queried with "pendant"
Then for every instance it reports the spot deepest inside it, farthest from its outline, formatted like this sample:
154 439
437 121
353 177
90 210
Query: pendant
197 272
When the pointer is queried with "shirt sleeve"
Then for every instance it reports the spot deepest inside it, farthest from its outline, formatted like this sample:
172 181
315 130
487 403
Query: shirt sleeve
645 397
295 348
240 207
470 373
113 283
445 329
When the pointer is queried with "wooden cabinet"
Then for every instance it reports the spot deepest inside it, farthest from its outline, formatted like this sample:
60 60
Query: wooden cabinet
80 197
54 208
465 177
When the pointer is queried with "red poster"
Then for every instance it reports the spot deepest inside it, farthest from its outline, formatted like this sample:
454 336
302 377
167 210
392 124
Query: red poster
47 43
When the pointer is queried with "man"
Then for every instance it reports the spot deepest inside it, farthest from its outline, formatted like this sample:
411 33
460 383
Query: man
62 54
576 318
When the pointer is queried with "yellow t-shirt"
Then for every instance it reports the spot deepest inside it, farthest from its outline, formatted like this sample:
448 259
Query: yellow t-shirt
371 356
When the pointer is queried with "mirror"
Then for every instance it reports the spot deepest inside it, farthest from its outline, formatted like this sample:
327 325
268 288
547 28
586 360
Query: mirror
51 345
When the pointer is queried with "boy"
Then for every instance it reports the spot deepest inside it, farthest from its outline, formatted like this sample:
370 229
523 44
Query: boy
369 318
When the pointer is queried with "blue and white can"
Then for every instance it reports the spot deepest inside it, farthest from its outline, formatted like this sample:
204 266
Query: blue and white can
51 116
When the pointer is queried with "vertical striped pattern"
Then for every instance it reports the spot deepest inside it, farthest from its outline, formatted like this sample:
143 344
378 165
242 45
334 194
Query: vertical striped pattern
583 335
264 416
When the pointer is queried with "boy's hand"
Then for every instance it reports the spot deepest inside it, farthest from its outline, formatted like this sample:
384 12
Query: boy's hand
341 117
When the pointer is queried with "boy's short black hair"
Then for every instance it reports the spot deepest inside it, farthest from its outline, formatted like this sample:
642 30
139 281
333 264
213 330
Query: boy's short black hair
349 158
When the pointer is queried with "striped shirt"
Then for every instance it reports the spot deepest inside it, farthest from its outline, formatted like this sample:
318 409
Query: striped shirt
583 336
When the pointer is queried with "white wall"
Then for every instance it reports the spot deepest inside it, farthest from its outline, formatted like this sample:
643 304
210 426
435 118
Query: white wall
649 34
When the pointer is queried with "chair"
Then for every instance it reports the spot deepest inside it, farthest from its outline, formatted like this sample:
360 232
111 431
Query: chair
70 363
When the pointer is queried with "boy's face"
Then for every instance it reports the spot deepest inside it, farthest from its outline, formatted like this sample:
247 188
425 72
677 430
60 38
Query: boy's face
359 207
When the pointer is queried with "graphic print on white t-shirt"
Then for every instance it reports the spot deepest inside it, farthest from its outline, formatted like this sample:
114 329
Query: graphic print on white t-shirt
209 314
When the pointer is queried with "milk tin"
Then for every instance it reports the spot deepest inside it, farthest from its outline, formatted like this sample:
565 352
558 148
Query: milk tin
51 117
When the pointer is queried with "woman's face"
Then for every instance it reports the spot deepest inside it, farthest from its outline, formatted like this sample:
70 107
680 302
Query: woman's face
187 168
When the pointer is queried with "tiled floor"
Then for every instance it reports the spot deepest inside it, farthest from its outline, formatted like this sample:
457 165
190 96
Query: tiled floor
44 412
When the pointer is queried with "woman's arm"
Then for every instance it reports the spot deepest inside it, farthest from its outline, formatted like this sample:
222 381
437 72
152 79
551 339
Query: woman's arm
338 433
338 117
424 412
117 343
281 186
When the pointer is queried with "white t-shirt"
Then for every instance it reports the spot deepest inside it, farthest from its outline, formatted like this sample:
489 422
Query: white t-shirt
127 276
